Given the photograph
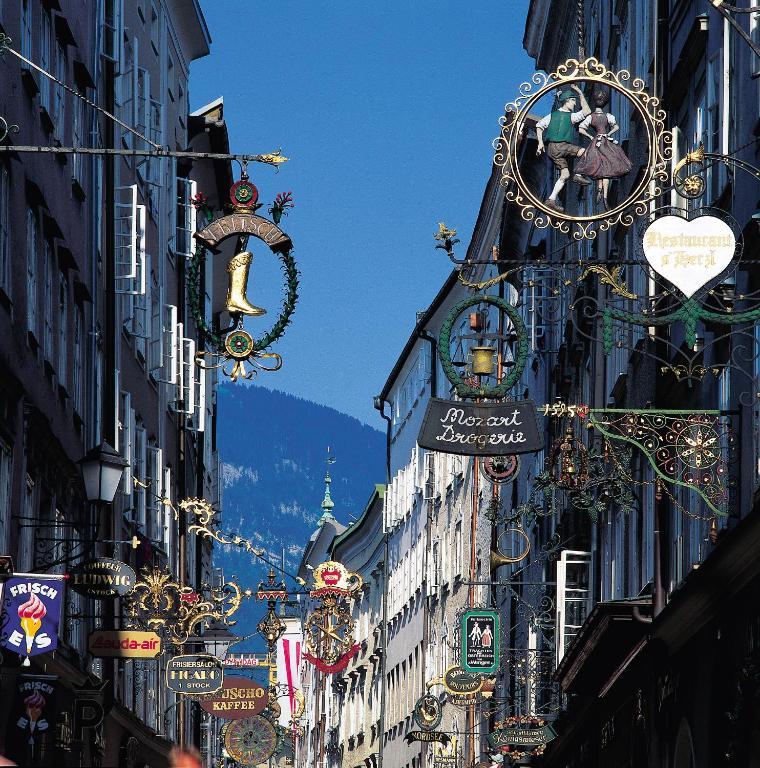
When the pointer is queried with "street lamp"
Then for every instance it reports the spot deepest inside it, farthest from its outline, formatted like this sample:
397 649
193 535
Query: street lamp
102 468
217 640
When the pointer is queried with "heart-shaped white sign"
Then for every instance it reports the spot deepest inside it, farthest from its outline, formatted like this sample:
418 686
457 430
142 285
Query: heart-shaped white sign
689 254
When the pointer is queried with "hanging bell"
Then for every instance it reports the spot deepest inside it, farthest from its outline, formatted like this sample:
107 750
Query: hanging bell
483 360
237 302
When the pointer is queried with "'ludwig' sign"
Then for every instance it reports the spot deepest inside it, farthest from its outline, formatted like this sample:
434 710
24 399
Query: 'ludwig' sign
238 698
196 674
124 644
480 429
102 578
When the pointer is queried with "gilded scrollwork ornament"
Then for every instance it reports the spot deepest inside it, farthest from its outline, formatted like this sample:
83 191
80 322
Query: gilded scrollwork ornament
160 604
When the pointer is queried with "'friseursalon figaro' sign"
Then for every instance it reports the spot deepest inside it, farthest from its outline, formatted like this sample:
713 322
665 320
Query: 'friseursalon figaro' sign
102 579
476 429
196 674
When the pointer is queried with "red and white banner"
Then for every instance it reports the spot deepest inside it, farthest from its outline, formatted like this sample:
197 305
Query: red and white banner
288 663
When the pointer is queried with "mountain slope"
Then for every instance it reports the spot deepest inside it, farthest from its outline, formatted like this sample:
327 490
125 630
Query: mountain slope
273 448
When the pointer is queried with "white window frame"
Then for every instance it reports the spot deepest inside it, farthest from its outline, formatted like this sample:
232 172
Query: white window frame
156 341
155 478
187 217
112 30
170 353
569 594
140 457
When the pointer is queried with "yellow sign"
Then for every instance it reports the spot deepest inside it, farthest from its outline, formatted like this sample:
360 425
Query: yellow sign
124 644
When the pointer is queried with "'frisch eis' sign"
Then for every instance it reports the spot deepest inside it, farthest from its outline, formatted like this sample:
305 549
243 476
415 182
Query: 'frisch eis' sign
480 429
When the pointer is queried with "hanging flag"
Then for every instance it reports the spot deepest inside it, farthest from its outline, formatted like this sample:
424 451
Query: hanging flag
30 735
288 663
31 614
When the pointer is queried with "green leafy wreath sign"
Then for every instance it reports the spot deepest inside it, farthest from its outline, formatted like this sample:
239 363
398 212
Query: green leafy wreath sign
464 389
239 346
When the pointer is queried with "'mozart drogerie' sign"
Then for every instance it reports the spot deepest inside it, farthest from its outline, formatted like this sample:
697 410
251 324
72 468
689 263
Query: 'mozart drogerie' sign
124 644
238 698
475 429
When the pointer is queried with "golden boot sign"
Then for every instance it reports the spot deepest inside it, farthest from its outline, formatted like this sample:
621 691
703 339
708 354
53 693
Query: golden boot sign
237 345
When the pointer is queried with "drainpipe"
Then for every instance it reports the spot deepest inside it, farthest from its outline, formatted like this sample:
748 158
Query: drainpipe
380 406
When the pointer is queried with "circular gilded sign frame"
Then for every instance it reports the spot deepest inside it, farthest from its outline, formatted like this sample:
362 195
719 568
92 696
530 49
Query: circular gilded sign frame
521 350
240 733
508 475
513 129
431 703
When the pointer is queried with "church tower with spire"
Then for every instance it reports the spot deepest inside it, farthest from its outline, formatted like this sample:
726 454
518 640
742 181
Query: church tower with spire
327 502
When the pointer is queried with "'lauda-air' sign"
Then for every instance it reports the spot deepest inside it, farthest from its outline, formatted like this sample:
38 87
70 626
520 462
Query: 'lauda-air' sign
479 429
123 644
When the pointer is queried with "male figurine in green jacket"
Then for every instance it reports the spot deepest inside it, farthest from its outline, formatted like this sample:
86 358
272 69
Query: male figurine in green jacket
558 131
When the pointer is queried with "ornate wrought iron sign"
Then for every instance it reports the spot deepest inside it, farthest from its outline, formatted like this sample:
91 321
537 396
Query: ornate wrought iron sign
480 429
478 386
102 579
594 161
480 641
159 603
238 698
526 737
194 674
428 712
124 644
329 629
238 346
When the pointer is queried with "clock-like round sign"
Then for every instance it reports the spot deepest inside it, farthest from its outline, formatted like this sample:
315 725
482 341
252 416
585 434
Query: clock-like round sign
251 741
244 193
501 469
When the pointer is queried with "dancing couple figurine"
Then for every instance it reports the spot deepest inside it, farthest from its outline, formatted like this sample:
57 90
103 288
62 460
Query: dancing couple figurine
600 161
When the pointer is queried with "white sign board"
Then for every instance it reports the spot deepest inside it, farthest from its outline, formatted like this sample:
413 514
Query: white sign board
689 254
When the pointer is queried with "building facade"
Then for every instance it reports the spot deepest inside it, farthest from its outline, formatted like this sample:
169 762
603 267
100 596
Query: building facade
98 336
669 684
356 721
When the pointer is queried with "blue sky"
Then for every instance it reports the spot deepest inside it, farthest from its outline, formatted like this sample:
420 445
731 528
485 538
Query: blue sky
387 111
